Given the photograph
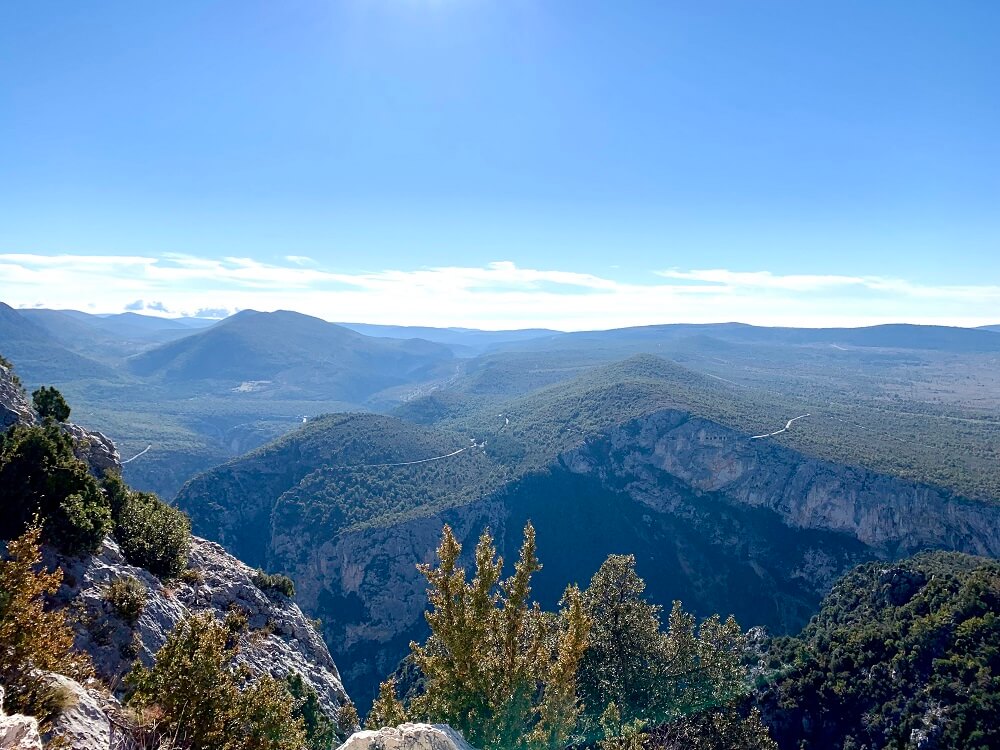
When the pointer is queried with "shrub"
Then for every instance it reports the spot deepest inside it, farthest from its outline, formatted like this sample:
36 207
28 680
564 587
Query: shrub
33 640
40 476
192 576
274 583
4 362
50 404
347 720
387 710
153 535
128 596
116 491
194 689
320 731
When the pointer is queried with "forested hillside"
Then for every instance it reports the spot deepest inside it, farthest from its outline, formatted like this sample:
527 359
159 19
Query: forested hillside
905 655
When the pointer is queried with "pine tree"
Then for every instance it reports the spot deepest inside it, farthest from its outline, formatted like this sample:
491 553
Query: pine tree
495 667
50 404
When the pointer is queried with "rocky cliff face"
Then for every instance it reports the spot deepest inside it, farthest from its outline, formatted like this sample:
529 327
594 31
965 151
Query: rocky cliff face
14 406
721 521
18 732
408 737
287 642
890 515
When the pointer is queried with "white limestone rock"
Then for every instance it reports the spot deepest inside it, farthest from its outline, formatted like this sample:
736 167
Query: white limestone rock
83 724
17 731
408 737
287 641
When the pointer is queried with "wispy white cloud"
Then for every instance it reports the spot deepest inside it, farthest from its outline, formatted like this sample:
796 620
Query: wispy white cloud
724 278
499 294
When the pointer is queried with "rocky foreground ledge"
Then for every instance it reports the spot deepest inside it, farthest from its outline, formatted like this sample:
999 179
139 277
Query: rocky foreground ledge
408 737
18 732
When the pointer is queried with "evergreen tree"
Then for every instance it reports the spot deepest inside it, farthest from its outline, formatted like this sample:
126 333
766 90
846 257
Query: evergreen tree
320 731
193 687
638 678
387 710
495 667
41 477
50 404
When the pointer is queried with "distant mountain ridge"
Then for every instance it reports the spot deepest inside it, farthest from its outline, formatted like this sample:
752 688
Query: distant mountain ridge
293 351
200 396
889 336
464 341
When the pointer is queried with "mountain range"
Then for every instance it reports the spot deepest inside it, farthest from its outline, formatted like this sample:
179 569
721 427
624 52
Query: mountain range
746 469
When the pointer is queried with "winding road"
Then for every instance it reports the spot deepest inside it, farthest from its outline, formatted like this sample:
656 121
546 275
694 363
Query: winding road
783 429
141 453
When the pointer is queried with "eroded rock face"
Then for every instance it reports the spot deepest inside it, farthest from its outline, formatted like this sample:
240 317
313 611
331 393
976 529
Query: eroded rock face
84 723
17 731
408 737
95 449
891 515
287 642
14 405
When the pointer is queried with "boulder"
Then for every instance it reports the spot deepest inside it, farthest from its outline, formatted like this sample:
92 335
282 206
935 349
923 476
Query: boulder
285 641
408 737
18 732
83 724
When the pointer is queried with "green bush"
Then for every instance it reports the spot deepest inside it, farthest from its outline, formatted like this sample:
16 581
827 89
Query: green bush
204 701
40 476
128 596
10 367
896 650
274 583
50 404
192 576
153 535
320 730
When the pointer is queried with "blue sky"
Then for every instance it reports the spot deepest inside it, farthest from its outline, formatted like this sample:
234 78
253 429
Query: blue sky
574 163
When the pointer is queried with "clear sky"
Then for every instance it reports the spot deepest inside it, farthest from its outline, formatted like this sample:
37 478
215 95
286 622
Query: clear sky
570 163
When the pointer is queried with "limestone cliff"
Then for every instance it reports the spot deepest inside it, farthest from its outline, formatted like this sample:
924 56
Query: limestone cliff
285 641
14 405
892 516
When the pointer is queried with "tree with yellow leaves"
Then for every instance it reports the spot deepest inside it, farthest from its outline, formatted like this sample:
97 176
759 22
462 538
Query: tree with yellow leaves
33 640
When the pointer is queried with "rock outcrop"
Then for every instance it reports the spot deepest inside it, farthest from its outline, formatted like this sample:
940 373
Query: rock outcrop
287 643
18 732
650 455
95 449
408 737
84 723
14 405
